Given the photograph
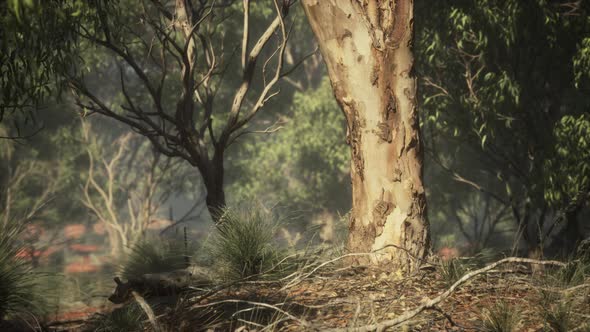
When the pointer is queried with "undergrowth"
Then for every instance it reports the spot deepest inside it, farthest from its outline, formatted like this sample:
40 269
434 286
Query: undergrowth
19 288
558 315
129 318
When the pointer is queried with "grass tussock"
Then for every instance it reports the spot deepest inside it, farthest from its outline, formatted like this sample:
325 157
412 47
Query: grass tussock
501 318
558 316
129 318
575 273
19 291
244 244
452 270
155 257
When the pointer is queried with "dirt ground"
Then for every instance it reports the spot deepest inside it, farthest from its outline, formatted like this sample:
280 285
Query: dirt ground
354 298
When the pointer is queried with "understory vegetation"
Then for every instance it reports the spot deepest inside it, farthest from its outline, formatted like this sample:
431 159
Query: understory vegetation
17 282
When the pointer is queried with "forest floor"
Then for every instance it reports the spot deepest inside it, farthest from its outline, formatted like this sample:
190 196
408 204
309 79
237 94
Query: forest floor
348 298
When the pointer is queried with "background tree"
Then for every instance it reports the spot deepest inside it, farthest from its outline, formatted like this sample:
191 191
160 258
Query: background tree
494 94
38 179
172 67
32 52
304 165
127 185
368 51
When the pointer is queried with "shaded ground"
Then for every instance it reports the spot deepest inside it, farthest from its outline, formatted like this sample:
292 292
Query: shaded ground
347 297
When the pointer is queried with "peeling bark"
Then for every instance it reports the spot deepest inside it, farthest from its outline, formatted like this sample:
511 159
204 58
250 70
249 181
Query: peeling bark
367 46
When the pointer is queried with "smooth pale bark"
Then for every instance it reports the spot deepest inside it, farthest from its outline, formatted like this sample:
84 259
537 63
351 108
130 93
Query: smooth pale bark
367 46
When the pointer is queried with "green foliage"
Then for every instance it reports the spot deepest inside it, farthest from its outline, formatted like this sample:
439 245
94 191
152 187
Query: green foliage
582 64
305 164
501 318
497 78
37 40
155 256
243 244
41 177
568 172
128 318
18 283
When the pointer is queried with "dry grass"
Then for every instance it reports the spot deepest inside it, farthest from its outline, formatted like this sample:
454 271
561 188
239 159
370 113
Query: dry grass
339 296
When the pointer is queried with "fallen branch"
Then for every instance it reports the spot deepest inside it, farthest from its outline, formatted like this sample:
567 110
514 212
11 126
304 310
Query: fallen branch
301 277
566 290
581 327
258 304
432 303
147 309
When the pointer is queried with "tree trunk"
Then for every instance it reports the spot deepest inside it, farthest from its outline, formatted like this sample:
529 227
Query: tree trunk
213 174
215 199
368 51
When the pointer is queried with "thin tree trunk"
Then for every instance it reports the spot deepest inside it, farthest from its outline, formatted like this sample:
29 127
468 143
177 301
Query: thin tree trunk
114 241
368 51
213 177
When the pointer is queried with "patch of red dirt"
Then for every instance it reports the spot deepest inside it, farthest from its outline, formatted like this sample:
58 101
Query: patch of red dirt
74 231
85 266
85 248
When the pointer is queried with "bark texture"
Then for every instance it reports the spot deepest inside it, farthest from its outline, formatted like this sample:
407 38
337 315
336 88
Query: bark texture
367 46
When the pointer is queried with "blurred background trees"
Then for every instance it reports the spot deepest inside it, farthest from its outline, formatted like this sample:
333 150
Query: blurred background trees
500 81
303 166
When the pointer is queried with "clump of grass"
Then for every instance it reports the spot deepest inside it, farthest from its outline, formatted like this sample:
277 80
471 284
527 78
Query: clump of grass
154 257
18 282
558 316
574 273
128 318
501 318
244 243
583 251
452 270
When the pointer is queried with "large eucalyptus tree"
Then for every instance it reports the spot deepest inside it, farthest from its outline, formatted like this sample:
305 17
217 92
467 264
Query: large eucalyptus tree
367 46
